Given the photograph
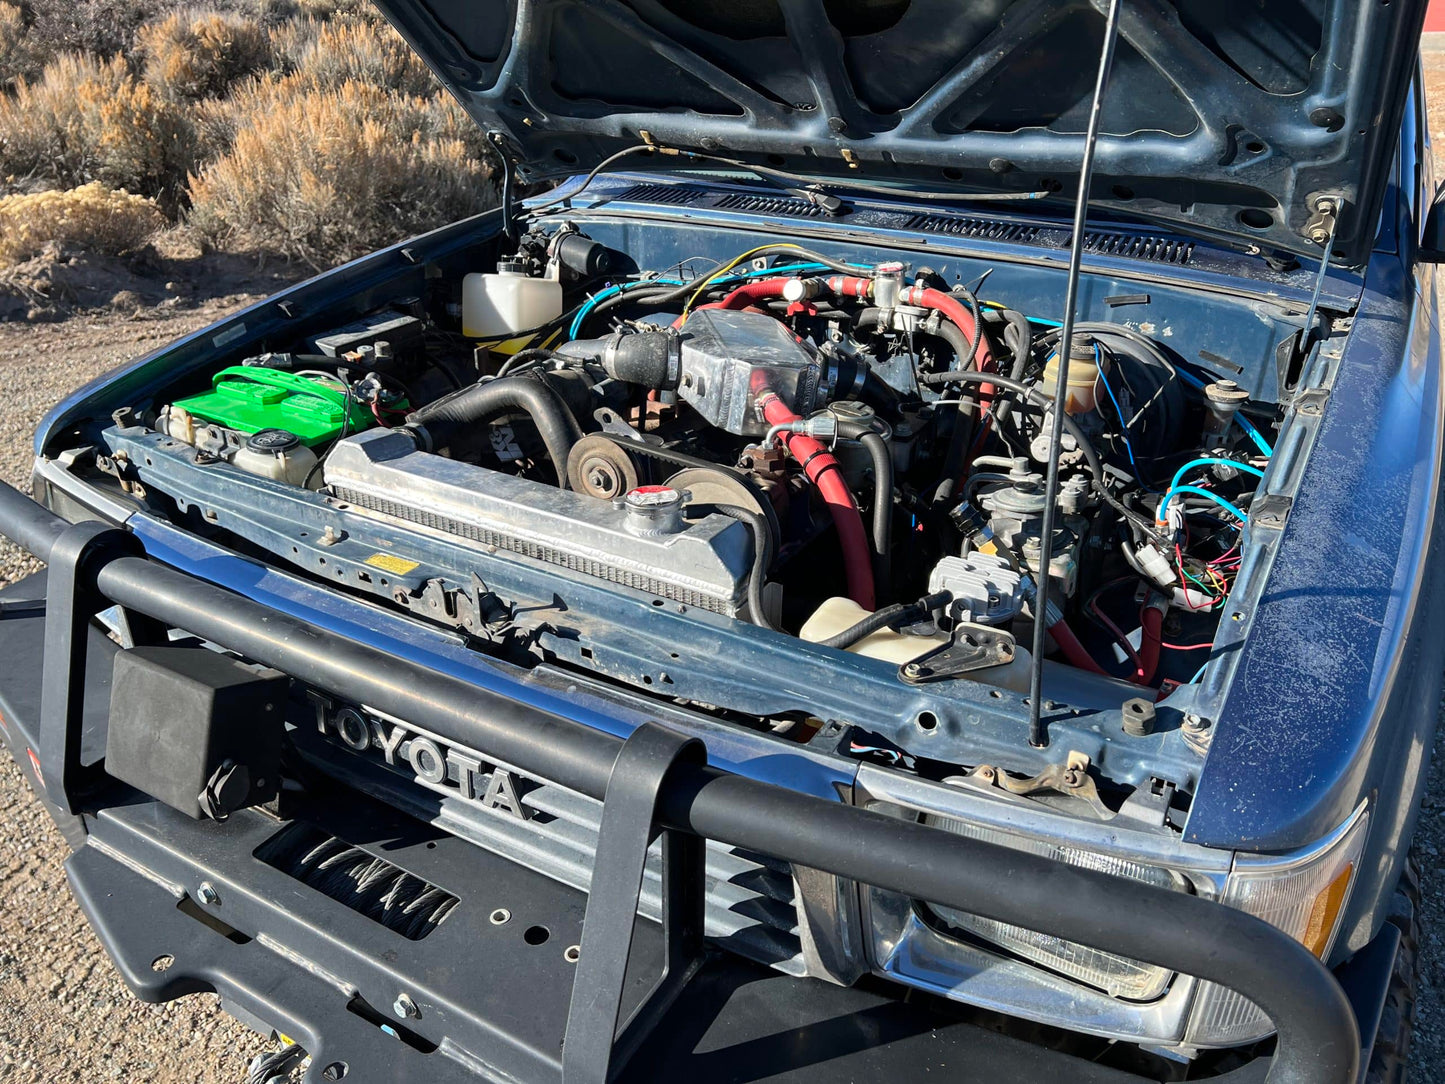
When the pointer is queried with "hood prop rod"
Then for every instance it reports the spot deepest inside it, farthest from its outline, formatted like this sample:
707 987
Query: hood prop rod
1037 737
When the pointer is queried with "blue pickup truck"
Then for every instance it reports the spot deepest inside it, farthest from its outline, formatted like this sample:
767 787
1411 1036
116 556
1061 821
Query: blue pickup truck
789 601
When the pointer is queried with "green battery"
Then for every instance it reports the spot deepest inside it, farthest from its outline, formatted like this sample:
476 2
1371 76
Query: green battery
250 398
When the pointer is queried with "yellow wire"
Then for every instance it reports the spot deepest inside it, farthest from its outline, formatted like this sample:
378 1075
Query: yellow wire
721 271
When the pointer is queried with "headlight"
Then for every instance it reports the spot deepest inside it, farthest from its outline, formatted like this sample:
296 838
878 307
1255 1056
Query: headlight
1304 896
1007 968
1116 975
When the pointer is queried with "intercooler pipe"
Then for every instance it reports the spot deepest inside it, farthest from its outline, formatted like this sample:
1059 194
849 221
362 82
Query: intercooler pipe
439 423
823 471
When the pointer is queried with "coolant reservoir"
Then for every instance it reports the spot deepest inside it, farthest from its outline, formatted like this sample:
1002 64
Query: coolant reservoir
500 304
837 614
276 454
1083 378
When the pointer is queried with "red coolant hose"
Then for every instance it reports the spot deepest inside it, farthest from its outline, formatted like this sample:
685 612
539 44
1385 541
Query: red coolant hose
1072 649
1152 624
822 470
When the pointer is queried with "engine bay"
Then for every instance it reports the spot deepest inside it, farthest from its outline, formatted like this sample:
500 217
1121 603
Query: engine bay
847 455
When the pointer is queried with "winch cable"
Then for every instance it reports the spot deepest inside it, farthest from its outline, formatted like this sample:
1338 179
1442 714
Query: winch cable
1037 737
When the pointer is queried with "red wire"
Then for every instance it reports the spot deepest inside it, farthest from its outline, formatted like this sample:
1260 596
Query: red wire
1185 647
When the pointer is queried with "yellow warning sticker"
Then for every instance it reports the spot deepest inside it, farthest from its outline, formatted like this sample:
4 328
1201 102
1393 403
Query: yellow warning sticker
388 562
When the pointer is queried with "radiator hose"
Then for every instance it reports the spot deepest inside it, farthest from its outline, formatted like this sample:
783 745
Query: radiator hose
439 423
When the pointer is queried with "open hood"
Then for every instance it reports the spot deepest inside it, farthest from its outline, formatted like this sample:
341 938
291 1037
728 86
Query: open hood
1231 118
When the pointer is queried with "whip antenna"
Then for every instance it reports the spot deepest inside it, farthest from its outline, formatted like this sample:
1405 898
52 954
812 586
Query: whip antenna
1061 383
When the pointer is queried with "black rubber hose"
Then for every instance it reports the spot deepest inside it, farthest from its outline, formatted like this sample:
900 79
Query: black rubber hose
762 545
897 614
442 420
1020 344
882 456
525 359
1096 468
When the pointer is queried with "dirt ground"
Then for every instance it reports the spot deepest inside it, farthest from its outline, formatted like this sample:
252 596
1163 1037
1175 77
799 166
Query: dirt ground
65 1015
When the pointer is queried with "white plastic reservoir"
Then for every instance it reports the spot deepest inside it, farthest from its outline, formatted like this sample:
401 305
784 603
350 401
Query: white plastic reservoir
502 303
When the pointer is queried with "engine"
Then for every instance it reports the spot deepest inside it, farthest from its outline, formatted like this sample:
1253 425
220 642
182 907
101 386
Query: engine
853 455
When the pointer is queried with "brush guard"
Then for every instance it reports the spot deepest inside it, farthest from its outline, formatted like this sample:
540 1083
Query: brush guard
653 782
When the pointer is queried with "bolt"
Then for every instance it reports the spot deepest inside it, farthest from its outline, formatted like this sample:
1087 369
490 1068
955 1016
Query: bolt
399 595
1073 778
1195 723
208 895
405 1007
913 669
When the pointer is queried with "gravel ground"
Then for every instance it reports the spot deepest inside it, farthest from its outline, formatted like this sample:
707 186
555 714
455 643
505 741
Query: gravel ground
65 1015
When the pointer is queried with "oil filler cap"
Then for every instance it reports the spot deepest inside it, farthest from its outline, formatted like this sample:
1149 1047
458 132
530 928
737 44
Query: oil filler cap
272 441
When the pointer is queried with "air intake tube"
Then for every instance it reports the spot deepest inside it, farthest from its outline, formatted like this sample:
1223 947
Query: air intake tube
438 424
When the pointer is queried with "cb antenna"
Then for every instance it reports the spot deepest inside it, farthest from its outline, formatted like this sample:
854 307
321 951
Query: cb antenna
1037 737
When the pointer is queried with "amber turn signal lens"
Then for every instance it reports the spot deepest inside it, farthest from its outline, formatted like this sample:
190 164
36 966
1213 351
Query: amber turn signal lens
1325 911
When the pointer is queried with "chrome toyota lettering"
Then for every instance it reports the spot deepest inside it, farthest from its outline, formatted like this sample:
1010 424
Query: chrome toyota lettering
429 760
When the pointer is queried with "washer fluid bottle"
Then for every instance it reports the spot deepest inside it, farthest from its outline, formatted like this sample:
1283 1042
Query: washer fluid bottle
502 303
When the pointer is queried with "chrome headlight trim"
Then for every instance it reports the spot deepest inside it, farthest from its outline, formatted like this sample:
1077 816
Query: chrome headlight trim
903 946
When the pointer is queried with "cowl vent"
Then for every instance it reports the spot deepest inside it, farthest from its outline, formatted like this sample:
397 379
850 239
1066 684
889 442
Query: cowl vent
676 194
984 228
783 206
1139 247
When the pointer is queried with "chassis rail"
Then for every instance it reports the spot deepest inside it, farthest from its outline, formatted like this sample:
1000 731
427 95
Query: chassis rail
655 782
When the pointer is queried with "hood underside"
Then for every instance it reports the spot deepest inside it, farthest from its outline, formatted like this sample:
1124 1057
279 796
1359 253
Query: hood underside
1224 117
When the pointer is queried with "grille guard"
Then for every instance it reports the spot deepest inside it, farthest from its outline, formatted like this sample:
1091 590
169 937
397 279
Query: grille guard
654 782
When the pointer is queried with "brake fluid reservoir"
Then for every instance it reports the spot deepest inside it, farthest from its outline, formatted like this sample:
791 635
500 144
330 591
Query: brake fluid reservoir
496 305
1083 378
276 454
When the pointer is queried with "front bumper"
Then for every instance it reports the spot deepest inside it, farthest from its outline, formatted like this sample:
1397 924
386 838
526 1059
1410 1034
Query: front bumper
495 1000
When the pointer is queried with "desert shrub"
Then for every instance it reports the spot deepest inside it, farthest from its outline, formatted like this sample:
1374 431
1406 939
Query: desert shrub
92 216
327 175
197 55
85 120
16 56
99 27
330 53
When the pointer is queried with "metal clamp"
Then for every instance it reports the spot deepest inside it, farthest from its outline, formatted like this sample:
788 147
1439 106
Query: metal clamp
593 1049
71 602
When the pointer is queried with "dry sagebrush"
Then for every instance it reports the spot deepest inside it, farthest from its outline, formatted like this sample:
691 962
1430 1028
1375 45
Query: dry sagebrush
86 120
94 217
194 55
328 175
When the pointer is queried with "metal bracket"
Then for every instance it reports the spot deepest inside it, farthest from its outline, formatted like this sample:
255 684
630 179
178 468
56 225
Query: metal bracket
973 647
1270 510
593 1049
71 602
1311 402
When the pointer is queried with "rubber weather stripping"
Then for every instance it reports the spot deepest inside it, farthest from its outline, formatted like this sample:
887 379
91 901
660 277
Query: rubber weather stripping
1037 737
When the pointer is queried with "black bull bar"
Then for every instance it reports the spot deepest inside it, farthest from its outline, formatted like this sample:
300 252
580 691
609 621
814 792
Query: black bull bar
656 782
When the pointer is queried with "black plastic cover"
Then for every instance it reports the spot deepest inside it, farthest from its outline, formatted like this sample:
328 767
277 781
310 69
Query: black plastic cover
187 722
